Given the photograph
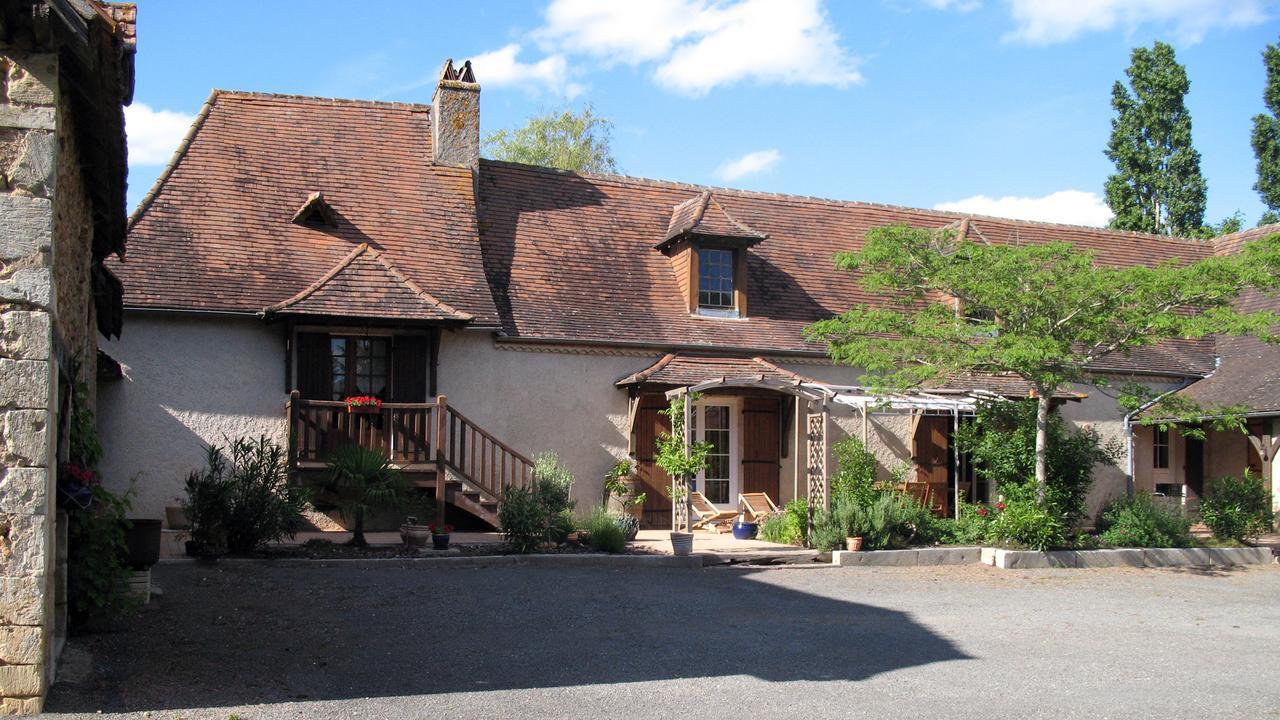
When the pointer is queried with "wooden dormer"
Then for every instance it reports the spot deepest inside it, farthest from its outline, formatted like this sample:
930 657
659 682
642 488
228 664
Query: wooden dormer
707 246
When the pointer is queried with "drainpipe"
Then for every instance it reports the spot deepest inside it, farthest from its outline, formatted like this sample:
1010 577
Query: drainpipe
1128 426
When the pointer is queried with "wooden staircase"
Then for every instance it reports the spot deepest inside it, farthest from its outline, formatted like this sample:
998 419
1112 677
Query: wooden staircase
434 444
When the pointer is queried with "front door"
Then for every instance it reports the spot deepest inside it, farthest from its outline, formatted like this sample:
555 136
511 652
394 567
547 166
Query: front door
932 459
715 421
1194 469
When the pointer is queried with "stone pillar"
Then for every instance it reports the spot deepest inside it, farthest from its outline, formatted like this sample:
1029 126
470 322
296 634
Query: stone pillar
28 378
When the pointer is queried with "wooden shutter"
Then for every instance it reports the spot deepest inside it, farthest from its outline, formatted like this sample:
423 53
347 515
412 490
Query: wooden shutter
760 446
649 423
314 366
409 355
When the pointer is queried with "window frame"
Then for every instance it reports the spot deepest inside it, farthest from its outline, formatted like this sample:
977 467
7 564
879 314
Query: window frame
1161 443
351 357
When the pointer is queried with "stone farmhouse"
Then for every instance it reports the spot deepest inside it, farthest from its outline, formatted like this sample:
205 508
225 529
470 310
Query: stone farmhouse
297 251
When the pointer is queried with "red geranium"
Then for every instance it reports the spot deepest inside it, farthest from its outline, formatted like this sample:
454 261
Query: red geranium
81 474
356 401
1000 506
440 529
982 511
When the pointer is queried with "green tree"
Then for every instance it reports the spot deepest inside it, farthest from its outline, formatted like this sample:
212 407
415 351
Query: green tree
361 479
578 141
1266 139
1157 186
1042 312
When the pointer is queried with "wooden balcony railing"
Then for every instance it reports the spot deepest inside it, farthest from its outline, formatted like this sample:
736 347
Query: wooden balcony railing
415 436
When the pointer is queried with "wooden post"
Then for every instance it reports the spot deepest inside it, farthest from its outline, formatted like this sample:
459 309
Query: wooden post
442 411
290 408
1267 446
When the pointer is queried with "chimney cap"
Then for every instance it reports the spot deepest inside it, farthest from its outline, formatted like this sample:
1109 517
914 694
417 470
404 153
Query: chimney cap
464 75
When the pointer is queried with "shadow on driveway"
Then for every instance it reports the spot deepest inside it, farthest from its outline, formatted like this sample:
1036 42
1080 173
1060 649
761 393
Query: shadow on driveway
234 635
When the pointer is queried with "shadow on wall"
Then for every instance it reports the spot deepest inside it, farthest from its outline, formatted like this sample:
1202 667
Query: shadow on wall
522 628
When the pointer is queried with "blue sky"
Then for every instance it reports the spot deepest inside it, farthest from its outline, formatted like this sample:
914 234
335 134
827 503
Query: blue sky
996 106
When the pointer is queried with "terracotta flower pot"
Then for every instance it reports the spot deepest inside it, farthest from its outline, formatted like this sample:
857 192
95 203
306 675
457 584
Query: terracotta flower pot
415 536
853 544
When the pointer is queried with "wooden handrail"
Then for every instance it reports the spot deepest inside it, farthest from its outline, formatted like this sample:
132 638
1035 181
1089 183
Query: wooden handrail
507 448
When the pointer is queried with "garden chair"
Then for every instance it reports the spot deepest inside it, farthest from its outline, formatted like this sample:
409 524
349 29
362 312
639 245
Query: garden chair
756 506
709 515
921 492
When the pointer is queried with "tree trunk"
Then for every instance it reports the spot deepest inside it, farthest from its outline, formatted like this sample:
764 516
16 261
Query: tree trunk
357 529
1042 441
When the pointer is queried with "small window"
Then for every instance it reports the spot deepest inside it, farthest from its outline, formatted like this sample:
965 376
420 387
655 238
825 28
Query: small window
1160 449
715 279
360 366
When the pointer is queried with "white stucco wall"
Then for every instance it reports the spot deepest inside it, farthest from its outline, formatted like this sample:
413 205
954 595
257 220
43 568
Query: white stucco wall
536 401
187 382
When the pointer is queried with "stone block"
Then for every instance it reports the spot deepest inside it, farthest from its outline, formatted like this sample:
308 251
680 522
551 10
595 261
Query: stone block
25 544
28 226
30 286
988 556
21 705
24 437
1035 560
30 118
33 79
1175 557
21 680
26 335
33 171
876 558
24 490
949 556
1239 556
1122 557
24 384
21 645
22 600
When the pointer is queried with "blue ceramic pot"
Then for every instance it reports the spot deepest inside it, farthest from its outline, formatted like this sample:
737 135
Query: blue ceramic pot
745 530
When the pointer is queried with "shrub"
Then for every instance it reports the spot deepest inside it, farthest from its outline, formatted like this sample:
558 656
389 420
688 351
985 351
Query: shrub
208 503
1002 440
242 502
894 520
629 524
604 534
554 483
560 526
361 479
1139 521
523 520
855 475
1237 508
97 571
776 529
828 532
973 525
1024 522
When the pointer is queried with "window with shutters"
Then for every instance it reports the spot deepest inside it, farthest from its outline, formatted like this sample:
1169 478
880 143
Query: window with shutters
333 366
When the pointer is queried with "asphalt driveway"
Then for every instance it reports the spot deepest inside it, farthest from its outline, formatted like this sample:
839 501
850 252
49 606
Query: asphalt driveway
259 641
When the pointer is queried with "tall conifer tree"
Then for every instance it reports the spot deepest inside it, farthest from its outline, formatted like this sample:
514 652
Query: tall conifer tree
1266 139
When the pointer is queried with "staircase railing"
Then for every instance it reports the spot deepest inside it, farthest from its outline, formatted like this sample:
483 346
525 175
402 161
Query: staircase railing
411 434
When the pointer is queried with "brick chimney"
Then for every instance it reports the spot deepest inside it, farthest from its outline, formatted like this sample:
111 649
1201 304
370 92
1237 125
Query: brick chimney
455 117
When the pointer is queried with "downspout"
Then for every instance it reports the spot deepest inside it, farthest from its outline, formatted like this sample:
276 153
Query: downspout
1128 425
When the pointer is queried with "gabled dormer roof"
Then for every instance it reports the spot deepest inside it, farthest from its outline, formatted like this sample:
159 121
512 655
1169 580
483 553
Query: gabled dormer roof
366 285
702 216
315 209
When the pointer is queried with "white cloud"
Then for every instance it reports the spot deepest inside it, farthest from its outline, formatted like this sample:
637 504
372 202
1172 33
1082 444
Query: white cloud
1073 207
698 45
153 134
749 164
1043 22
957 5
501 68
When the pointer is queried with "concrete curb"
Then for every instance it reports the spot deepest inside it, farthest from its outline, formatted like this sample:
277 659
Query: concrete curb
915 557
1126 557
467 561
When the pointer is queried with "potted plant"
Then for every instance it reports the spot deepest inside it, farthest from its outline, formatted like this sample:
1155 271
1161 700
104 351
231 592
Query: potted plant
623 486
363 404
743 530
440 536
680 462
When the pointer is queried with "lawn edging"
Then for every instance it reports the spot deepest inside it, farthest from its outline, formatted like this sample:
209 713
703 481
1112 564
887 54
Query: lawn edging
914 557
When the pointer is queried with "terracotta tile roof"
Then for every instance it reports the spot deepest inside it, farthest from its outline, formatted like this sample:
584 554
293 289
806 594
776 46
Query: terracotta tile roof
1005 385
679 369
570 258
1249 375
703 216
366 285
216 232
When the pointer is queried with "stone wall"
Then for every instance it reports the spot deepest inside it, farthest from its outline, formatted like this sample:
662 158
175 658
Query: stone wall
29 243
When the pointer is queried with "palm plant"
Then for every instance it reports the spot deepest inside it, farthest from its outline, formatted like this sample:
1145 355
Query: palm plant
361 478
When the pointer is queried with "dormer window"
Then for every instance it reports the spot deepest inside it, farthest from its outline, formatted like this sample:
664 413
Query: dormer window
315 212
715 279
708 249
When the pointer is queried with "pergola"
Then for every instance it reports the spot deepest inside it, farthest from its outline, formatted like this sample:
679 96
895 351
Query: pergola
823 396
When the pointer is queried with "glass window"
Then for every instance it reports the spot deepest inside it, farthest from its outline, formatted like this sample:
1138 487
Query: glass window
715 278
360 366
1160 447
717 473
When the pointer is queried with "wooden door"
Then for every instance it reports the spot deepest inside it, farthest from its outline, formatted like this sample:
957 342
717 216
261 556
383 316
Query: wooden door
931 459
1193 468
761 440
655 483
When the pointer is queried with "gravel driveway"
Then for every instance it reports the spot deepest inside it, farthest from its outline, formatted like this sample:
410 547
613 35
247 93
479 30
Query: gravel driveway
324 642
